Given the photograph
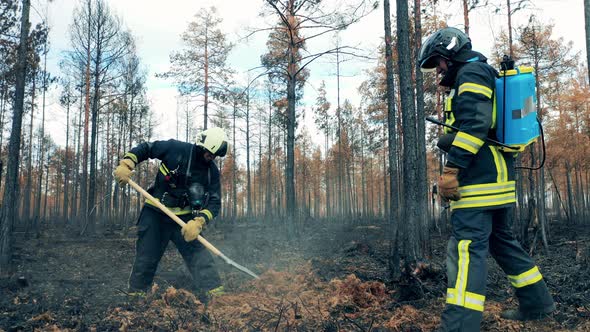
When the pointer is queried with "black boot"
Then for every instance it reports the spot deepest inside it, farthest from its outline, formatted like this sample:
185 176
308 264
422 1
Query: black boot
517 314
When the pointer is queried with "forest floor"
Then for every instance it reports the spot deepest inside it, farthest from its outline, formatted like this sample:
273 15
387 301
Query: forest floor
329 277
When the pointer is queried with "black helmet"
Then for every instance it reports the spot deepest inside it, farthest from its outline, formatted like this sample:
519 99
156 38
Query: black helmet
446 43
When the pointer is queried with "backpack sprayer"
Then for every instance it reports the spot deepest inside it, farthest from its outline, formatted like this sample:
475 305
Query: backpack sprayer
517 123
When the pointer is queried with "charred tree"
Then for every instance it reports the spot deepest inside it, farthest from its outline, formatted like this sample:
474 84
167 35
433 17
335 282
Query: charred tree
11 190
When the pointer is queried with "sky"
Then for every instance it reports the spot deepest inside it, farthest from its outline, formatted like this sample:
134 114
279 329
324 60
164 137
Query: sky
157 26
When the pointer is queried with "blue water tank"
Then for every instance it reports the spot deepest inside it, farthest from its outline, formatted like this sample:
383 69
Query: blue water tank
517 126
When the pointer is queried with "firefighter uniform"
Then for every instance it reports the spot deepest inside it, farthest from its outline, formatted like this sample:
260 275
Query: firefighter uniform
182 168
480 218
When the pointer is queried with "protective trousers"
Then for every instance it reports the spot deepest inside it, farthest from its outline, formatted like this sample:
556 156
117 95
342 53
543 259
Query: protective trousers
474 234
154 230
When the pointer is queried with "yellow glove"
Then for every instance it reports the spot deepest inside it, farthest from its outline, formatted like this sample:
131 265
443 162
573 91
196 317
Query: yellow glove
123 171
192 229
448 184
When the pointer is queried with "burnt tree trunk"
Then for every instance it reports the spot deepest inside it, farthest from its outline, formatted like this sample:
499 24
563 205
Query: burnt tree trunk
11 191
392 141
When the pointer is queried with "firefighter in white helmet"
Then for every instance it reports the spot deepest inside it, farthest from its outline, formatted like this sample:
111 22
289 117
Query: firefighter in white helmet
188 184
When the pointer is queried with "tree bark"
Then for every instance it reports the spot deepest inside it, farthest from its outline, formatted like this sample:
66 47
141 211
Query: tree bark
66 167
339 205
29 184
11 190
206 85
509 12
570 193
422 176
234 209
84 181
392 140
91 213
268 209
76 199
465 16
409 243
290 167
248 176
587 28
42 139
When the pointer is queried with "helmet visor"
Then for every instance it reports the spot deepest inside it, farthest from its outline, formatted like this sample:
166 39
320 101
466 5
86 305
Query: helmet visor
222 150
430 63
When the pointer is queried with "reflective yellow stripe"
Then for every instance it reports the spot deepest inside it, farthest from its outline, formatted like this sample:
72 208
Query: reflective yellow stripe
449 121
216 291
487 189
501 168
164 169
459 295
131 156
483 201
449 101
467 142
449 116
451 296
494 115
465 146
176 210
514 148
207 213
475 88
463 270
448 104
474 301
527 278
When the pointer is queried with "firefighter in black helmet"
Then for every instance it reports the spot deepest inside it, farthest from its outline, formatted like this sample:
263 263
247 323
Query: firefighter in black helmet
188 184
478 179
445 43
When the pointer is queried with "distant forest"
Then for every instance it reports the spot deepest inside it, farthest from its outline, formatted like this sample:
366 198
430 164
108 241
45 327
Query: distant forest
378 160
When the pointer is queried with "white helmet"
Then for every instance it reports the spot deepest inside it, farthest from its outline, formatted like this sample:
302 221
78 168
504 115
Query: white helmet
213 140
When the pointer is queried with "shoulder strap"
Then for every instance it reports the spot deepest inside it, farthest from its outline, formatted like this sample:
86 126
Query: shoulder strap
188 168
